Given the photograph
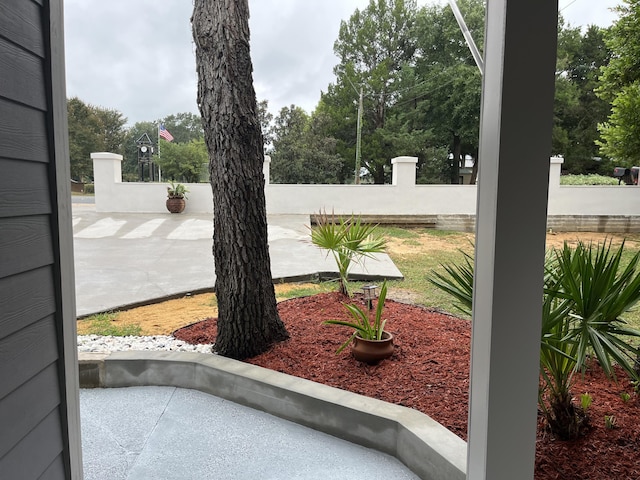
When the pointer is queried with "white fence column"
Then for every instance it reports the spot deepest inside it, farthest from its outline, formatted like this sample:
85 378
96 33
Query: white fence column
403 172
107 172
266 168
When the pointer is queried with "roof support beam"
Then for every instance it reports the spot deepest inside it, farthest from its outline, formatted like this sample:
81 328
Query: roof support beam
515 144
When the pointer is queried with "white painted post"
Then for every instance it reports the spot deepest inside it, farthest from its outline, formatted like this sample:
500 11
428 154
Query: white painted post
554 171
266 166
403 173
107 171
515 138
107 167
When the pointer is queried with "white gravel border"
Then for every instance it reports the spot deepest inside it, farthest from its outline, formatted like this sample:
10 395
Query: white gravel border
107 344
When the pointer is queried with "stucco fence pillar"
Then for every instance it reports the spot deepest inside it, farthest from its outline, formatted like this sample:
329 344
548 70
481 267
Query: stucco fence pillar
403 171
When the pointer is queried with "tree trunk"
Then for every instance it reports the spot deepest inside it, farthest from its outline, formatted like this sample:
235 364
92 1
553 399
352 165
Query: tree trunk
248 321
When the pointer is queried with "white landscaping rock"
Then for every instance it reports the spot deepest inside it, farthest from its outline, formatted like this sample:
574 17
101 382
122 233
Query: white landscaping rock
107 344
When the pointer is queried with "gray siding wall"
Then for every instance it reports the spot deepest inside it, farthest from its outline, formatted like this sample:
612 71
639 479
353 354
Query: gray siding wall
38 394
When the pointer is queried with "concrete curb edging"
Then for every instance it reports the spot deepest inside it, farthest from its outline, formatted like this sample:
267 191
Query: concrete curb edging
423 445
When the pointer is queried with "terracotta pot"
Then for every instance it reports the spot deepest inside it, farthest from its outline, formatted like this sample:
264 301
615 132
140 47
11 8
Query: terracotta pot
175 205
372 351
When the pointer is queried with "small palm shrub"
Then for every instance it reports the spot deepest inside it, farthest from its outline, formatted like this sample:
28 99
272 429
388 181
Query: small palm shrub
349 240
587 290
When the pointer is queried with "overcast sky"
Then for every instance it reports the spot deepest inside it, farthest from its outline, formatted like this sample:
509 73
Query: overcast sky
136 56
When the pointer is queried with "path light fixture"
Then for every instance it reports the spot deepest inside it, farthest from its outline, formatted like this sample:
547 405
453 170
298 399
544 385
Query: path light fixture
370 294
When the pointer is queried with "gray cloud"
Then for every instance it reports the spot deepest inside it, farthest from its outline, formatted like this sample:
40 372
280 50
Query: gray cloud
136 56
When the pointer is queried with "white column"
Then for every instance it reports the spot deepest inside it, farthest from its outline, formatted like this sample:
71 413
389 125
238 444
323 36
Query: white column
403 173
554 171
515 141
107 171
107 167
266 166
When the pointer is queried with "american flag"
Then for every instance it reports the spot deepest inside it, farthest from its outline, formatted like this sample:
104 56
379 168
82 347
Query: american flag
164 133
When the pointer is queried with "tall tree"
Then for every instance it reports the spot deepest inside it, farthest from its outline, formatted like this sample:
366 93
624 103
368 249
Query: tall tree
92 129
621 86
443 95
183 161
301 152
577 109
266 119
373 47
184 127
248 320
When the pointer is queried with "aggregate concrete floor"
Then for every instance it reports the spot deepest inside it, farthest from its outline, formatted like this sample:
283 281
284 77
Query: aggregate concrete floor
167 433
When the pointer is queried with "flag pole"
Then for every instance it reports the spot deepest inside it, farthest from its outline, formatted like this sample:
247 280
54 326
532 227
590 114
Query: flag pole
159 168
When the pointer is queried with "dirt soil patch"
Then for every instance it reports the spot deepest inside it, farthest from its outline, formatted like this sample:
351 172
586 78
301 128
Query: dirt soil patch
164 317
429 372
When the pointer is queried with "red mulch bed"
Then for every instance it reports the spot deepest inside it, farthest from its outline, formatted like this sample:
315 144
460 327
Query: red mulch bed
429 371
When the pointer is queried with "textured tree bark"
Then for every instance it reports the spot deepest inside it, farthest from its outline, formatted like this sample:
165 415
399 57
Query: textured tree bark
248 321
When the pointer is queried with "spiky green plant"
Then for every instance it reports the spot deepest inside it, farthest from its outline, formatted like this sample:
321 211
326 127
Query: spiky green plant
458 282
361 324
349 240
587 290
600 290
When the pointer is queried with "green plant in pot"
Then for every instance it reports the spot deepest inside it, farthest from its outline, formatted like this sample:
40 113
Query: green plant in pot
371 343
176 197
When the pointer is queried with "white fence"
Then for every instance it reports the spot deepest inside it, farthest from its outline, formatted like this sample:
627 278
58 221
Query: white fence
576 208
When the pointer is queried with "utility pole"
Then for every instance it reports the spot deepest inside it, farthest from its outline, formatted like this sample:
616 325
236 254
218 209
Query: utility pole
358 140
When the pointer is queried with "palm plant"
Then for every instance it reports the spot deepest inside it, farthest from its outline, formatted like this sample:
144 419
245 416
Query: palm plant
349 240
557 367
586 292
457 282
600 291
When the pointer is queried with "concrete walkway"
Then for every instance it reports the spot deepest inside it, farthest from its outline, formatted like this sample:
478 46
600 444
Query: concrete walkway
142 433
126 259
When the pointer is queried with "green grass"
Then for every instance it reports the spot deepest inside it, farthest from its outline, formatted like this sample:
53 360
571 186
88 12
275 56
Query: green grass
312 289
397 232
102 324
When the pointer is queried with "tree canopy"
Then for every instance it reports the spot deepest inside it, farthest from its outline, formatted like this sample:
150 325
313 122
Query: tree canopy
620 85
92 129
421 95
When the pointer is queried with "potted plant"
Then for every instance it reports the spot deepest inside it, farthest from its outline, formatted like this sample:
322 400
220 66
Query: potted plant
371 343
176 197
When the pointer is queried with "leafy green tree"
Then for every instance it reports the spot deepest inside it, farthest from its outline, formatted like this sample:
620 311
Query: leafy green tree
266 120
183 162
83 138
184 127
92 129
443 94
373 47
301 151
620 85
578 110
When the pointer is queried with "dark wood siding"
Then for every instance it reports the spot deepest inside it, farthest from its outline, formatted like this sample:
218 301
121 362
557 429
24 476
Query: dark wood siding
35 392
